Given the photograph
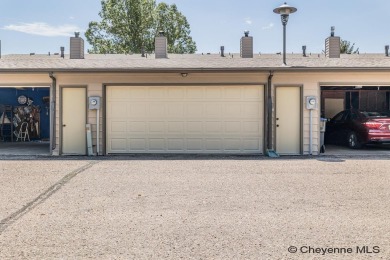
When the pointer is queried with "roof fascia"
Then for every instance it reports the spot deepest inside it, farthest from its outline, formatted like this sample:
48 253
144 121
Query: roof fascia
193 70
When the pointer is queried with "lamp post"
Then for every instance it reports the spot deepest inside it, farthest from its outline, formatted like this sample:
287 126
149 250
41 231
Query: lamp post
284 10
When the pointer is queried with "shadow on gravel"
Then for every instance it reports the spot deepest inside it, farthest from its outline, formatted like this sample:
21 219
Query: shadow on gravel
330 159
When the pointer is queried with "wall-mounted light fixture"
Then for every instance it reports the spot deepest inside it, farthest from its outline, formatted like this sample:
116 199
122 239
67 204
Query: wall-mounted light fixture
184 75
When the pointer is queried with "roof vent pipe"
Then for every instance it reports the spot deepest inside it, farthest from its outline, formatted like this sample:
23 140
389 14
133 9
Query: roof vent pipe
246 46
387 50
304 50
161 46
222 51
62 52
143 51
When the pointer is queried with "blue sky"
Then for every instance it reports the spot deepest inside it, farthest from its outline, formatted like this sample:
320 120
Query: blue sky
41 26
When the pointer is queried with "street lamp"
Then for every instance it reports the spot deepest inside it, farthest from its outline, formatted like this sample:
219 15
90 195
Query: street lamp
284 10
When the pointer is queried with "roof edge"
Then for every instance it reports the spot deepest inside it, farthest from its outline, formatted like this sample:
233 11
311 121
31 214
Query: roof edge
179 70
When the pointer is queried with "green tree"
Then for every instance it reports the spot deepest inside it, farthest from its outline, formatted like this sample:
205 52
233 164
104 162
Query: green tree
348 48
176 28
129 25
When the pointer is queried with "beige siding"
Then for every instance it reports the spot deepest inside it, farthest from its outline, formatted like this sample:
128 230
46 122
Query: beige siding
25 79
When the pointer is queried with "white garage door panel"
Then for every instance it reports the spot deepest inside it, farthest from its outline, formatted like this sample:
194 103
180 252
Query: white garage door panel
184 119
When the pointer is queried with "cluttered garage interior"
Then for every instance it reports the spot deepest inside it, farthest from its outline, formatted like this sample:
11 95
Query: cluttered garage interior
24 119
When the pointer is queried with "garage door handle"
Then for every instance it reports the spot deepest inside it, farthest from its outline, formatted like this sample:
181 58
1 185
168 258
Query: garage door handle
63 125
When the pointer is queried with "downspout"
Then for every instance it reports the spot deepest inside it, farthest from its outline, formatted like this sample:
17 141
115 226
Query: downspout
53 112
268 118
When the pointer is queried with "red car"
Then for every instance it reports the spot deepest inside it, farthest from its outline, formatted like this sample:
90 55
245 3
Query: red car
356 128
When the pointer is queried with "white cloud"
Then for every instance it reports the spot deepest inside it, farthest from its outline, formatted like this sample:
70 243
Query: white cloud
248 21
43 29
72 18
269 26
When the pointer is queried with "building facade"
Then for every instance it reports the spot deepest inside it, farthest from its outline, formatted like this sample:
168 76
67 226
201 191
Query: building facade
194 103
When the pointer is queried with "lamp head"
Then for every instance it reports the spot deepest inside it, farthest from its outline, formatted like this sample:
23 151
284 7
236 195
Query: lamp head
285 9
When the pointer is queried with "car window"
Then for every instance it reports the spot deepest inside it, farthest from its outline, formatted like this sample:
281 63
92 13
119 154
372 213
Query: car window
354 115
347 116
338 117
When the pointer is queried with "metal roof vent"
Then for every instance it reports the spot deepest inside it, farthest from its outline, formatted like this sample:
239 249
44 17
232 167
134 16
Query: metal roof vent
62 52
161 46
332 31
332 45
246 46
304 50
222 51
76 46
387 50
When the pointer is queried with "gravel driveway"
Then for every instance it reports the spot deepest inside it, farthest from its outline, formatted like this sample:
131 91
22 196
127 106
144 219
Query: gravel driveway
185 208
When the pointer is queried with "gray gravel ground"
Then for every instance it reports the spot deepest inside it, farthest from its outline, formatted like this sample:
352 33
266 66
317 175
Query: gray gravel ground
181 208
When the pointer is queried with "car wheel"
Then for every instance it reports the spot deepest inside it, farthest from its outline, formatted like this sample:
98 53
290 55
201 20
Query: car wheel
353 141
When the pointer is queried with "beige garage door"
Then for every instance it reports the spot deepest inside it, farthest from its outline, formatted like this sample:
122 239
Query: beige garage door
184 119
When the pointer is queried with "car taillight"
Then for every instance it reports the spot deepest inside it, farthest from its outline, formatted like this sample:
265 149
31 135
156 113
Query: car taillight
372 125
